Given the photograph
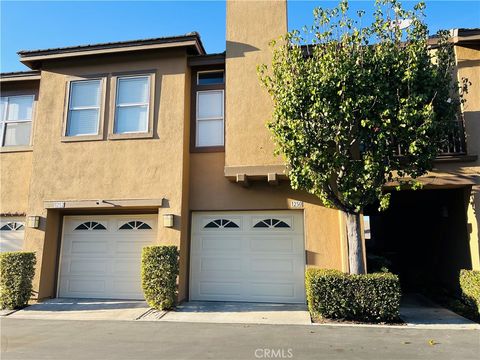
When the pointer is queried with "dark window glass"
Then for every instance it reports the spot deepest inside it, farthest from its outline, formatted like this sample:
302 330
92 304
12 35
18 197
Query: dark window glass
261 224
127 226
135 225
271 223
6 228
221 223
91 225
212 225
282 224
210 78
231 224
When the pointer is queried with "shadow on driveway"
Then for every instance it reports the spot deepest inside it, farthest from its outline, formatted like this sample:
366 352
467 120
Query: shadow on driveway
83 309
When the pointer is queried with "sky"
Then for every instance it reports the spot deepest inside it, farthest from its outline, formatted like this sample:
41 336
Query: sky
28 25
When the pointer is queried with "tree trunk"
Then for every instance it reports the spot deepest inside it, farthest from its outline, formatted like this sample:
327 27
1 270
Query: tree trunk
355 248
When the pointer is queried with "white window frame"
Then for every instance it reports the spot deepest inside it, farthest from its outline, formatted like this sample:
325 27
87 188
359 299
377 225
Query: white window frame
99 107
198 119
117 87
210 71
5 121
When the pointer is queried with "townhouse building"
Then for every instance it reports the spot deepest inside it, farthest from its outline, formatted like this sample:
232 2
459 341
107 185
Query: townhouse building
107 148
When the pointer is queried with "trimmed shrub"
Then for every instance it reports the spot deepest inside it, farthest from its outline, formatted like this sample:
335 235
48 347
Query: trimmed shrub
17 270
159 276
470 285
371 297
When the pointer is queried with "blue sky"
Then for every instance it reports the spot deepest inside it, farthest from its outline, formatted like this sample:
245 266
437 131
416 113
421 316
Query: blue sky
41 24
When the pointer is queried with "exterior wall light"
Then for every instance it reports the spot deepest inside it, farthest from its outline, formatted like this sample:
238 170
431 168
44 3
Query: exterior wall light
168 220
33 222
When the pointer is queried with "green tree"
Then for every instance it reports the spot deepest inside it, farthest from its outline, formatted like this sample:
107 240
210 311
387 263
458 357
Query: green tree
358 106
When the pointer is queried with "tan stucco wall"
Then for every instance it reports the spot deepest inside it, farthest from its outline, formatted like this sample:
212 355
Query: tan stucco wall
210 190
251 25
108 169
15 171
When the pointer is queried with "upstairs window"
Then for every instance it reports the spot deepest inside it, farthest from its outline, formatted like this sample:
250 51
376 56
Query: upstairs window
208 110
132 104
84 105
210 77
16 120
209 118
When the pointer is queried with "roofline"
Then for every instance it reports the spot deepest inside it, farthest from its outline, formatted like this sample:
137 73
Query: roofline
33 58
208 59
459 36
20 76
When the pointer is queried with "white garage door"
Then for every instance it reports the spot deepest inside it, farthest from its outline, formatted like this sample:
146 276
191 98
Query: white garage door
101 255
12 232
248 256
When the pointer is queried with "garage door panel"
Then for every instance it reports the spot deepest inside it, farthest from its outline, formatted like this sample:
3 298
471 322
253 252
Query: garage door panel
130 246
87 266
270 289
12 233
272 244
85 286
220 244
220 264
88 247
272 266
104 263
220 288
127 286
124 266
263 264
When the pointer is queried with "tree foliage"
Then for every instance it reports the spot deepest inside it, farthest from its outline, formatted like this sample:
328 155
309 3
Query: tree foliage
358 106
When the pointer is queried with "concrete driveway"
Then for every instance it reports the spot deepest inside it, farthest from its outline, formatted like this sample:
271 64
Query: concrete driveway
418 311
83 309
235 313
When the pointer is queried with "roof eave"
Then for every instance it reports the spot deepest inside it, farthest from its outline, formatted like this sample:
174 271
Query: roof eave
20 76
34 60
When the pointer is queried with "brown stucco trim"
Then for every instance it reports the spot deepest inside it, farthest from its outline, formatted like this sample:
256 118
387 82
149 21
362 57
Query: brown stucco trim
102 204
13 149
207 60
113 101
444 182
256 172
193 107
23 76
15 214
103 99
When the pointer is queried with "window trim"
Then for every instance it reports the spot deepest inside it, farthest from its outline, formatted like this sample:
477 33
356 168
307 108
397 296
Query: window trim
113 105
3 127
194 88
101 117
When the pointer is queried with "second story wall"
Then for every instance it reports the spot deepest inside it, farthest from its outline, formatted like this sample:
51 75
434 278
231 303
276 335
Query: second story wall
16 160
251 25
468 64
111 167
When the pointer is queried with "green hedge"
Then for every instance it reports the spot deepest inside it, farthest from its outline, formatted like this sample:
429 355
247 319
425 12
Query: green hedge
470 285
17 270
371 298
159 276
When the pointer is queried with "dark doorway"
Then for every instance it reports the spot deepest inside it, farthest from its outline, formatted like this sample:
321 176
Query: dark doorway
422 237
